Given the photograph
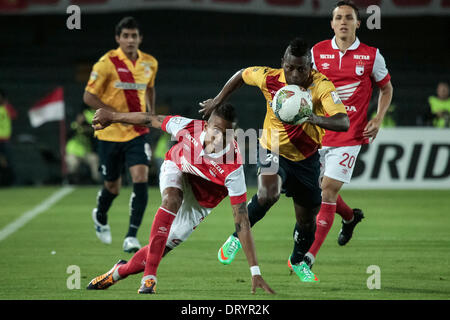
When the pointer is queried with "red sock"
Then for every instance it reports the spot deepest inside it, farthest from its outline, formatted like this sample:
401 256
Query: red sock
324 221
135 265
158 238
343 209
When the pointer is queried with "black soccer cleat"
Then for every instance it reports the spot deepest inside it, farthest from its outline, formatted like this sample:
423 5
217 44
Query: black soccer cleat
347 228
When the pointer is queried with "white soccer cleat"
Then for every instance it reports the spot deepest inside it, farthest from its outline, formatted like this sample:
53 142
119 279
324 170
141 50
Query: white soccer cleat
131 244
102 231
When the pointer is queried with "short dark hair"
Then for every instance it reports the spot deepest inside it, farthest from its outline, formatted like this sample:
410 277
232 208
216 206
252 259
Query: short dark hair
298 47
225 111
347 3
127 23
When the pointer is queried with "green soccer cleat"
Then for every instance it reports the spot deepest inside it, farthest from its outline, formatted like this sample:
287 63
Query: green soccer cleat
303 271
229 249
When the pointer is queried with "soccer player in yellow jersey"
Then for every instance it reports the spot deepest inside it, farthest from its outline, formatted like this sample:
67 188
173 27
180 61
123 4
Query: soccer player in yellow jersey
291 149
123 80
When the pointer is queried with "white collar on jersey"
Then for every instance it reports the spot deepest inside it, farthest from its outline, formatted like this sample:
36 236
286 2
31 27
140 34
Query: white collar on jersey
354 45
212 155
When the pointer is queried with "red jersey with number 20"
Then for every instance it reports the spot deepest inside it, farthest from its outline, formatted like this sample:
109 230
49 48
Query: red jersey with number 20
352 73
212 176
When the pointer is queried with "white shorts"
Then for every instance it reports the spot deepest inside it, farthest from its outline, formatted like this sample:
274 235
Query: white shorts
338 162
190 214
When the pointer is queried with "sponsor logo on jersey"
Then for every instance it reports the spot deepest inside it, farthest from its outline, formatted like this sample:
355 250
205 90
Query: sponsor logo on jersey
215 165
130 85
346 91
327 56
361 57
191 139
325 66
359 68
123 70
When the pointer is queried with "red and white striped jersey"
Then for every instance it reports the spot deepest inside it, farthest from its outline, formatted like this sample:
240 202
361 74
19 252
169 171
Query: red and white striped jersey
212 176
352 73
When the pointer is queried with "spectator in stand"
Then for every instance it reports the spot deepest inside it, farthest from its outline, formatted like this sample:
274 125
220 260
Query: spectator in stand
440 106
7 114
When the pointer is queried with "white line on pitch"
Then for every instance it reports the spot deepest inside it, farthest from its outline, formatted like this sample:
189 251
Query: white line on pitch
30 214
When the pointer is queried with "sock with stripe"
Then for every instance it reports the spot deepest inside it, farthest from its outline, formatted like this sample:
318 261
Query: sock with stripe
158 238
324 221
138 203
343 209
104 201
303 238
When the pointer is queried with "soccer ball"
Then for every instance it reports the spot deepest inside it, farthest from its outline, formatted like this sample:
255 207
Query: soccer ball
292 104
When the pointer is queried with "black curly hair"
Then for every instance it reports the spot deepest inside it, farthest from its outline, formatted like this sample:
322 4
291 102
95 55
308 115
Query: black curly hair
225 111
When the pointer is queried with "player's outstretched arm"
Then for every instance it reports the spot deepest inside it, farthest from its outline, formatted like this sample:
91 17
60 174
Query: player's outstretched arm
337 122
94 102
103 118
234 83
242 224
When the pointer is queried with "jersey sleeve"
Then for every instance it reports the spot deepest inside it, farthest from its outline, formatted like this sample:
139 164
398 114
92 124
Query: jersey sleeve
379 72
154 68
98 77
329 98
173 124
235 183
254 76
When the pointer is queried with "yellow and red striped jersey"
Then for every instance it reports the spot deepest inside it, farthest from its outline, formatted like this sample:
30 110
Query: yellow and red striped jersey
294 142
122 84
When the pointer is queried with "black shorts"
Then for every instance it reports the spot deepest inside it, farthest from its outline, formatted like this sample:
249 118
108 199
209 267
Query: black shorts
300 179
115 156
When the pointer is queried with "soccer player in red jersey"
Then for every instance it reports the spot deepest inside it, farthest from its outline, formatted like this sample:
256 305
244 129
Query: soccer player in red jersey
352 67
198 172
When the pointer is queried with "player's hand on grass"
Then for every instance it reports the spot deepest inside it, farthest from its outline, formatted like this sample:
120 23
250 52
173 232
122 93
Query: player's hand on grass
258 282
207 107
371 129
102 119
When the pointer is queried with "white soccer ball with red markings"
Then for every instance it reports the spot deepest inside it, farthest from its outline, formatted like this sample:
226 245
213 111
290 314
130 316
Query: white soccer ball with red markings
292 104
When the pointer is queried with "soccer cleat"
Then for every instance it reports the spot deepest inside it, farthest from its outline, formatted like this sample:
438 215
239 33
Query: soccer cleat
229 249
131 244
148 287
303 271
103 232
346 232
105 280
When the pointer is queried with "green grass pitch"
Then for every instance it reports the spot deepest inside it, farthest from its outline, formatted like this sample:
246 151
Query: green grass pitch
405 233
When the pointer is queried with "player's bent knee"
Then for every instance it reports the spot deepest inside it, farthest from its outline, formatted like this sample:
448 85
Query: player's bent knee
268 198
113 187
172 199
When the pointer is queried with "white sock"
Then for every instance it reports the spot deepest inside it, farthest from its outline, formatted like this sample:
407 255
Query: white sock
311 257
115 275
348 221
150 276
